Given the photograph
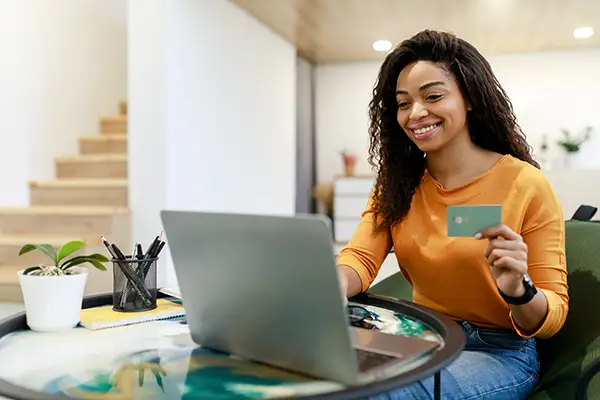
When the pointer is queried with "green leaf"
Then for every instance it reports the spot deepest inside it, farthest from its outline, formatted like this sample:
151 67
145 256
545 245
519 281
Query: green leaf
26 249
73 262
69 248
31 269
99 257
47 249
82 259
97 264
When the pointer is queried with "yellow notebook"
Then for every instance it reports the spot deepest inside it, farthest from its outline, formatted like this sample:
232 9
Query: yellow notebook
106 317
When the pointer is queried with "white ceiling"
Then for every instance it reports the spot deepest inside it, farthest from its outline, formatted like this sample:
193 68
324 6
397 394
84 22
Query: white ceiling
344 30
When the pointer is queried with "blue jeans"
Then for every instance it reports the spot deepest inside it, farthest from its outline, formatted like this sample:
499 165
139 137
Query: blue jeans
495 364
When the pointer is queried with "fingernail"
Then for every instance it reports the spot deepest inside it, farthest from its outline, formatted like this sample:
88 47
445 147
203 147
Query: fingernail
478 235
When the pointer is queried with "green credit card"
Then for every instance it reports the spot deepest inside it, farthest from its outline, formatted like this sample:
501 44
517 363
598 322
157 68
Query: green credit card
466 221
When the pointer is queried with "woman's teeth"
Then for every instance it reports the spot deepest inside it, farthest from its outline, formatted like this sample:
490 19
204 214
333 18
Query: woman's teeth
426 129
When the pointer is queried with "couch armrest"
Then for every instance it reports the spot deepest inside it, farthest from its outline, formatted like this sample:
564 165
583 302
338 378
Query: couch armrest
585 378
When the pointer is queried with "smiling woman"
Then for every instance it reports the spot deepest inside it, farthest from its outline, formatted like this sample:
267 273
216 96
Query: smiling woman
443 133
422 122
432 81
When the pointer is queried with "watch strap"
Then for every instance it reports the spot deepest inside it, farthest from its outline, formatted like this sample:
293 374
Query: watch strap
530 292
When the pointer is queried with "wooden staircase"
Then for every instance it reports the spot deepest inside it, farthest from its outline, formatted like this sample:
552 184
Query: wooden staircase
88 198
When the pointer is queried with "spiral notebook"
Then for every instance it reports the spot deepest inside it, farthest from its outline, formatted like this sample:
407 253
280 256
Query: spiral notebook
105 317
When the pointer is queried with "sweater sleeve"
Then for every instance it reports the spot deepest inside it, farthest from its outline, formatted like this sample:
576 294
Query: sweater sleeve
366 250
544 233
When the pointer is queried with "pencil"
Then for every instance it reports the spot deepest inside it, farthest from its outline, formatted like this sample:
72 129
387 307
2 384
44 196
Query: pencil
132 279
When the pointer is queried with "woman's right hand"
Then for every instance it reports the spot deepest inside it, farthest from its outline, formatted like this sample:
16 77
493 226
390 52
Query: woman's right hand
350 284
343 280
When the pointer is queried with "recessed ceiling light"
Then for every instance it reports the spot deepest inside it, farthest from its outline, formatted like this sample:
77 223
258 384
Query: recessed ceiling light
382 45
583 32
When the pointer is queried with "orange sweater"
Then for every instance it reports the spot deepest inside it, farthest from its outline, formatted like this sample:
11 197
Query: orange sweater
451 275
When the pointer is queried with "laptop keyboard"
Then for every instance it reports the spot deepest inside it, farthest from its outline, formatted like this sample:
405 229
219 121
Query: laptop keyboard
367 359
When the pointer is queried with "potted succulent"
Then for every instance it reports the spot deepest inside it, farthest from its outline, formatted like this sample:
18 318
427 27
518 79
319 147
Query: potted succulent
572 144
53 293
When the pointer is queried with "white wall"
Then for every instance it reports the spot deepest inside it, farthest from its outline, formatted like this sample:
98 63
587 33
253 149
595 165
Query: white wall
342 95
550 91
63 66
147 41
212 114
305 136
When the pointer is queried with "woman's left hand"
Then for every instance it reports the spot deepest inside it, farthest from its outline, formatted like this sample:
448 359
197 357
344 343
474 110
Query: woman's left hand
507 255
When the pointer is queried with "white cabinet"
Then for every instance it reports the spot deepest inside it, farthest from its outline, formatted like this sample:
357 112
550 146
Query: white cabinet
349 202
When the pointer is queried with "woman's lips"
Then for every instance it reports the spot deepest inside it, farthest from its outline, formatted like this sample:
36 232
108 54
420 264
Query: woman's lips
425 132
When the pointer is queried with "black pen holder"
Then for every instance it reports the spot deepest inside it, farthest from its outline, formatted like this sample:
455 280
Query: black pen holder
134 284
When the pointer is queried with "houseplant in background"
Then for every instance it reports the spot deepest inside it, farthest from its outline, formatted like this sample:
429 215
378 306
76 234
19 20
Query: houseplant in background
349 163
572 144
53 292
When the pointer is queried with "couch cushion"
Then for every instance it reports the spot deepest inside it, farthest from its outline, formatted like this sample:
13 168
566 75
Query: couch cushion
564 356
395 286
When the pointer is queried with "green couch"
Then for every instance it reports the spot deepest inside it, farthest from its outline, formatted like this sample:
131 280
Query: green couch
574 352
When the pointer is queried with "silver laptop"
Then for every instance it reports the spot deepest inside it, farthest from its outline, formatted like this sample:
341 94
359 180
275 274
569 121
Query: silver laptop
265 288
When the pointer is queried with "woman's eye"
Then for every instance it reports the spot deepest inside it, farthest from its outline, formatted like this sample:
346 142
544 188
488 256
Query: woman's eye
402 104
434 97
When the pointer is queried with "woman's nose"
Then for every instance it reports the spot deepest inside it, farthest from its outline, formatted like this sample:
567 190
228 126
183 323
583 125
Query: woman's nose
418 111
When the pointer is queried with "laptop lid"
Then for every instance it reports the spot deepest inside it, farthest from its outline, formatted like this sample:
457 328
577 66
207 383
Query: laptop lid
263 288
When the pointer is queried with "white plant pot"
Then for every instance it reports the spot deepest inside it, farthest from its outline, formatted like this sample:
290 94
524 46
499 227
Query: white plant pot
53 303
574 160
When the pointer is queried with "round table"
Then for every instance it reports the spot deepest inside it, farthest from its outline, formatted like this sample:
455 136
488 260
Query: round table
158 359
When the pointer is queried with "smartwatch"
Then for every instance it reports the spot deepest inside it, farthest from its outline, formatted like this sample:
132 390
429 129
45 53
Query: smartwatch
530 292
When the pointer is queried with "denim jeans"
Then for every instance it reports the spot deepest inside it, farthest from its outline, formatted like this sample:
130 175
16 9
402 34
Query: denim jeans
495 364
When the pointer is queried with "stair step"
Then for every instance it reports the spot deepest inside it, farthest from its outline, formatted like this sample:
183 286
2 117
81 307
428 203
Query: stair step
116 124
8 274
10 288
92 166
123 107
10 291
87 223
103 144
10 246
97 192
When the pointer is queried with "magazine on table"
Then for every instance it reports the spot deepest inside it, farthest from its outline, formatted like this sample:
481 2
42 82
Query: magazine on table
171 291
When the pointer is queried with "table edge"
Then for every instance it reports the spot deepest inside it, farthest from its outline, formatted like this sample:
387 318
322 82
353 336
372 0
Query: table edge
450 331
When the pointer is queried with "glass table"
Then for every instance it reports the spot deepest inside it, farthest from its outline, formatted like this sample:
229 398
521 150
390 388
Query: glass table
159 360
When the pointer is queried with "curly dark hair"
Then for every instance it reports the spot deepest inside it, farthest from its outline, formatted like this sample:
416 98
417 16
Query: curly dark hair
400 165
